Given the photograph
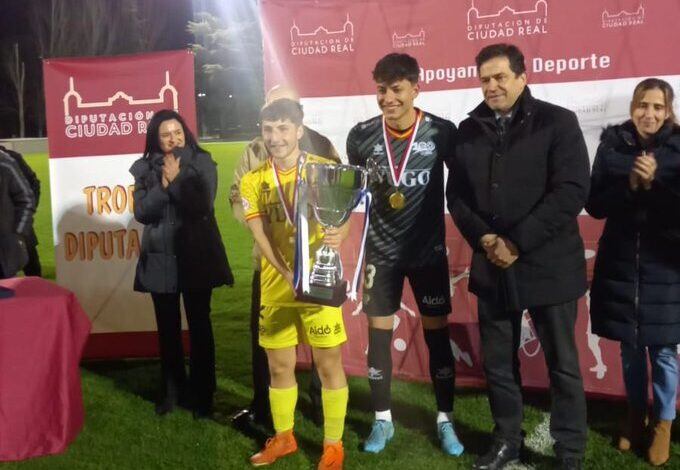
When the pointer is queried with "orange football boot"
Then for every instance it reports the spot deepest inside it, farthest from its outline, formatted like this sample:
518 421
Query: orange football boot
276 447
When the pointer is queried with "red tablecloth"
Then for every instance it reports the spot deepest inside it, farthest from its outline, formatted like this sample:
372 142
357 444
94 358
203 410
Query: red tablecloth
43 331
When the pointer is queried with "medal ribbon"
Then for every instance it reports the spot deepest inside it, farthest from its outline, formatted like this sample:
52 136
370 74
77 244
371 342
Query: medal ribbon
397 173
289 210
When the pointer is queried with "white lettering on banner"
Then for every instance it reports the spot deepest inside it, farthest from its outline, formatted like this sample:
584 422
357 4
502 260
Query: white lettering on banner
623 18
507 22
408 40
106 124
570 64
321 41
448 74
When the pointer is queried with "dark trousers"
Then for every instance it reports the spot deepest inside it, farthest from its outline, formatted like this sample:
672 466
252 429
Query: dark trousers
260 403
500 335
202 356
33 267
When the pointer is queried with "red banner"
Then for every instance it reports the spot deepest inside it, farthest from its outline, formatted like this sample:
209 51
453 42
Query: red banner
101 105
585 55
97 114
340 41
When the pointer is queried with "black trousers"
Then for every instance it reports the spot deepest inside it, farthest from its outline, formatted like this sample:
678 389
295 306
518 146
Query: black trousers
33 267
202 356
500 335
260 403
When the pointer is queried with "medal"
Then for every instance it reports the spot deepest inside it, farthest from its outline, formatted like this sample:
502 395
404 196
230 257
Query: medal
397 200
289 211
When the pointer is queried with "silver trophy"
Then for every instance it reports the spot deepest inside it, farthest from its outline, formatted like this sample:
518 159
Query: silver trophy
332 191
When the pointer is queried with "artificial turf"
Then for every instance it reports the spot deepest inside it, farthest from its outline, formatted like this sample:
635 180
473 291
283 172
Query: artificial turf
122 432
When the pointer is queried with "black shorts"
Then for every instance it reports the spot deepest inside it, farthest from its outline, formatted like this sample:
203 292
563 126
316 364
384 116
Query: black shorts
383 287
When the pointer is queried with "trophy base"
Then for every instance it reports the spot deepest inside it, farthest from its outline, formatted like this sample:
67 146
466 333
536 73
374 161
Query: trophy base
322 295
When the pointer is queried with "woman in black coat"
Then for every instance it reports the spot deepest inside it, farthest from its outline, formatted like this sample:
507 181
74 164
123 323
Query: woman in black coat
635 294
181 254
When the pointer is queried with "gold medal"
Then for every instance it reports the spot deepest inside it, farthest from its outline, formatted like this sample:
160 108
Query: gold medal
397 200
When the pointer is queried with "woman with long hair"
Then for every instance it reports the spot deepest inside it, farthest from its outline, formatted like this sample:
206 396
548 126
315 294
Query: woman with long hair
181 255
635 293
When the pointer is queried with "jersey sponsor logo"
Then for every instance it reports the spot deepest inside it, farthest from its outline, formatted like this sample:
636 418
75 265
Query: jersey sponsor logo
413 178
424 148
321 330
378 149
433 300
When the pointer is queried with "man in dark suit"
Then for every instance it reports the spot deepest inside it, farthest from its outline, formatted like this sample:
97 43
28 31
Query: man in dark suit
520 177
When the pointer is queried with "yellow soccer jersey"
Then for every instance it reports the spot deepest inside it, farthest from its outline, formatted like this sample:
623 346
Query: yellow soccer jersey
260 198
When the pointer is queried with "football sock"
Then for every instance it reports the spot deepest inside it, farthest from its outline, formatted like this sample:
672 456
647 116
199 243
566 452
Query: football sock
283 401
334 411
380 367
442 367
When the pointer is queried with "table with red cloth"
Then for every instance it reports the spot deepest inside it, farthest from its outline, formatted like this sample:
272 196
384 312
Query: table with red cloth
43 331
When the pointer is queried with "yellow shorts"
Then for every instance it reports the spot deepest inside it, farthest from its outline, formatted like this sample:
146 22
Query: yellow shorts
319 326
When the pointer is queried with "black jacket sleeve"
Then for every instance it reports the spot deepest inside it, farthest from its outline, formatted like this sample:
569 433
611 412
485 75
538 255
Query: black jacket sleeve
567 192
149 197
195 187
21 195
459 196
610 195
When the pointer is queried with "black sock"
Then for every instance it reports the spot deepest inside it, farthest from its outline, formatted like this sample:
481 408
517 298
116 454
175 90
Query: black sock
442 367
380 367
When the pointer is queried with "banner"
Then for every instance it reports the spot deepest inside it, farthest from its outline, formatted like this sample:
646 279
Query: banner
97 113
585 55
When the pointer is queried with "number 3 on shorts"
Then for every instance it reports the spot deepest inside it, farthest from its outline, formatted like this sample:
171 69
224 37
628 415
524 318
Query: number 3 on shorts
370 275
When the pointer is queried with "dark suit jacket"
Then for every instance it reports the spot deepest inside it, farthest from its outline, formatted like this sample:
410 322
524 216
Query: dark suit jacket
529 187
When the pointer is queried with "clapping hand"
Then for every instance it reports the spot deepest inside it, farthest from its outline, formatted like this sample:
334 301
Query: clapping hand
644 169
170 169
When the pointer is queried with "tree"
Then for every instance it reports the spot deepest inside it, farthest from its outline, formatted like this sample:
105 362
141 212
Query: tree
16 71
228 73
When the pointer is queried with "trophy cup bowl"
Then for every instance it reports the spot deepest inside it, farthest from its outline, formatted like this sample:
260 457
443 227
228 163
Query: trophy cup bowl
333 191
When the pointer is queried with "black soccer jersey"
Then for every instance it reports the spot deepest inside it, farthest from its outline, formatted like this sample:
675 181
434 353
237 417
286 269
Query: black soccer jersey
412 236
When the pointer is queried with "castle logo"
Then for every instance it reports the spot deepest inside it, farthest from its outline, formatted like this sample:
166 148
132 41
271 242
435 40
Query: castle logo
408 40
507 22
105 118
322 41
623 18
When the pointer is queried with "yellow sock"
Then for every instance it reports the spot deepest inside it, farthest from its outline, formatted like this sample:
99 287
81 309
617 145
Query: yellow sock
334 411
282 402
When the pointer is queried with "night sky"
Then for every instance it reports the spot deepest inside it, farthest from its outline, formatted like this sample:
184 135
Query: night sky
16 26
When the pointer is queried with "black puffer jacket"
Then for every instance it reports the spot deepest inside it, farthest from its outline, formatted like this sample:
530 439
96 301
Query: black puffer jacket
635 294
181 247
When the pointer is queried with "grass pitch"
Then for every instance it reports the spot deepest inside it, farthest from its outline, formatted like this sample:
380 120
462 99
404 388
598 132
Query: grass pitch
122 432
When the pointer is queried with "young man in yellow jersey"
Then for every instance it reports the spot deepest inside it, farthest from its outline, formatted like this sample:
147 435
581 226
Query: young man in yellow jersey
269 197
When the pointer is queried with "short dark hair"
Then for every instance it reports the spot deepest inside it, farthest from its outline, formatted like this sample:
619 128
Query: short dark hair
153 144
282 109
512 52
394 67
